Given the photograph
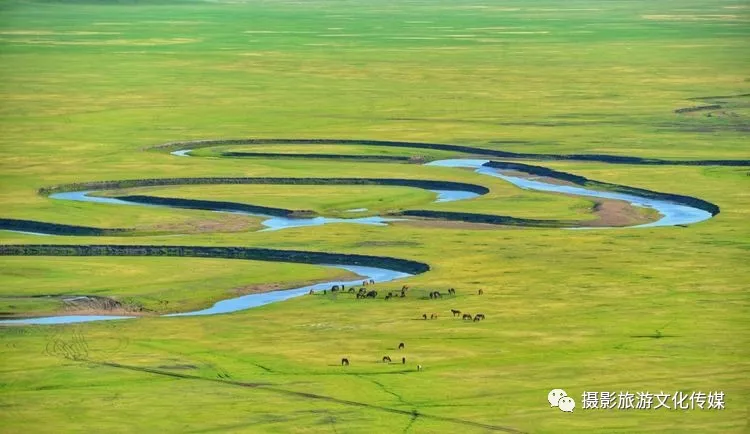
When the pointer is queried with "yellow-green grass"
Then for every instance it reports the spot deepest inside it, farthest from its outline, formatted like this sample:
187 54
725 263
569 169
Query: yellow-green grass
156 285
562 307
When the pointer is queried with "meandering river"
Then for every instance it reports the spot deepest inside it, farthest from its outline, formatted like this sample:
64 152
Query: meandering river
671 213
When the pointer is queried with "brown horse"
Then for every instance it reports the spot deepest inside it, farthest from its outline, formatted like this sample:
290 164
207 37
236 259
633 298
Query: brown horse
480 292
455 312
401 346
424 316
403 360
434 316
466 316
386 359
344 362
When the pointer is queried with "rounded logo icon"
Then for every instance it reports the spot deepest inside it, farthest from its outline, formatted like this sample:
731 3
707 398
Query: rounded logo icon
554 396
567 404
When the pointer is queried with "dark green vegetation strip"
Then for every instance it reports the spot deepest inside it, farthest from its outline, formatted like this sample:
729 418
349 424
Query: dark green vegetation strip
56 229
613 159
583 181
248 253
131 183
305 395
490 219
214 205
313 156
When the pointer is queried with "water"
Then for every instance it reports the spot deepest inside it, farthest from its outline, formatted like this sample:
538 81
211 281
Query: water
453 195
238 303
671 213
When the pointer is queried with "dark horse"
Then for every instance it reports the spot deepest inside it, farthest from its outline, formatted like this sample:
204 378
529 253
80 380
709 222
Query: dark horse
386 359
455 312
344 362
401 346
467 316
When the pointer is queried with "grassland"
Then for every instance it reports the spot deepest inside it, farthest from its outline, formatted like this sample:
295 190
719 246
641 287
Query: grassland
86 87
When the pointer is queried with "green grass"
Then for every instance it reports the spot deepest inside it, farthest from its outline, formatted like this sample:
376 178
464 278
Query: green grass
563 307
158 285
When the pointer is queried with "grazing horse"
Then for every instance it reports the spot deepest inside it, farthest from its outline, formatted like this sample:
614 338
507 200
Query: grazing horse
476 318
452 291
401 346
351 290
372 294
479 315
434 316
419 367
311 292
386 359
344 362
455 312
372 281
334 288
466 316
364 283
387 297
404 288
424 316
403 360
480 292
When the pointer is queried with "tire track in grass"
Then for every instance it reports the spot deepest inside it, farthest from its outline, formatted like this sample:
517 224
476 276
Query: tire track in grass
270 387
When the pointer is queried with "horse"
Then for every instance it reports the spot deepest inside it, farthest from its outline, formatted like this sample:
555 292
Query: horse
433 316
372 294
438 294
403 360
387 297
344 362
480 292
334 288
404 288
466 316
351 290
452 291
372 281
479 315
455 312
364 283
401 346
311 292
476 318
424 316
386 359
419 367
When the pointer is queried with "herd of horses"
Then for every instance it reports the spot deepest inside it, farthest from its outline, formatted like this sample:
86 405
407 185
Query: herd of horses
363 293
386 359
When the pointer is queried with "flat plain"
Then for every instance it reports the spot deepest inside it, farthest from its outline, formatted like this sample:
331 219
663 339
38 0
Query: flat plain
88 89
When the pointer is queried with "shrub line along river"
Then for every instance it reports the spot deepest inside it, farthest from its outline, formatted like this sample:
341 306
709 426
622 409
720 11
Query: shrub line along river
671 213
